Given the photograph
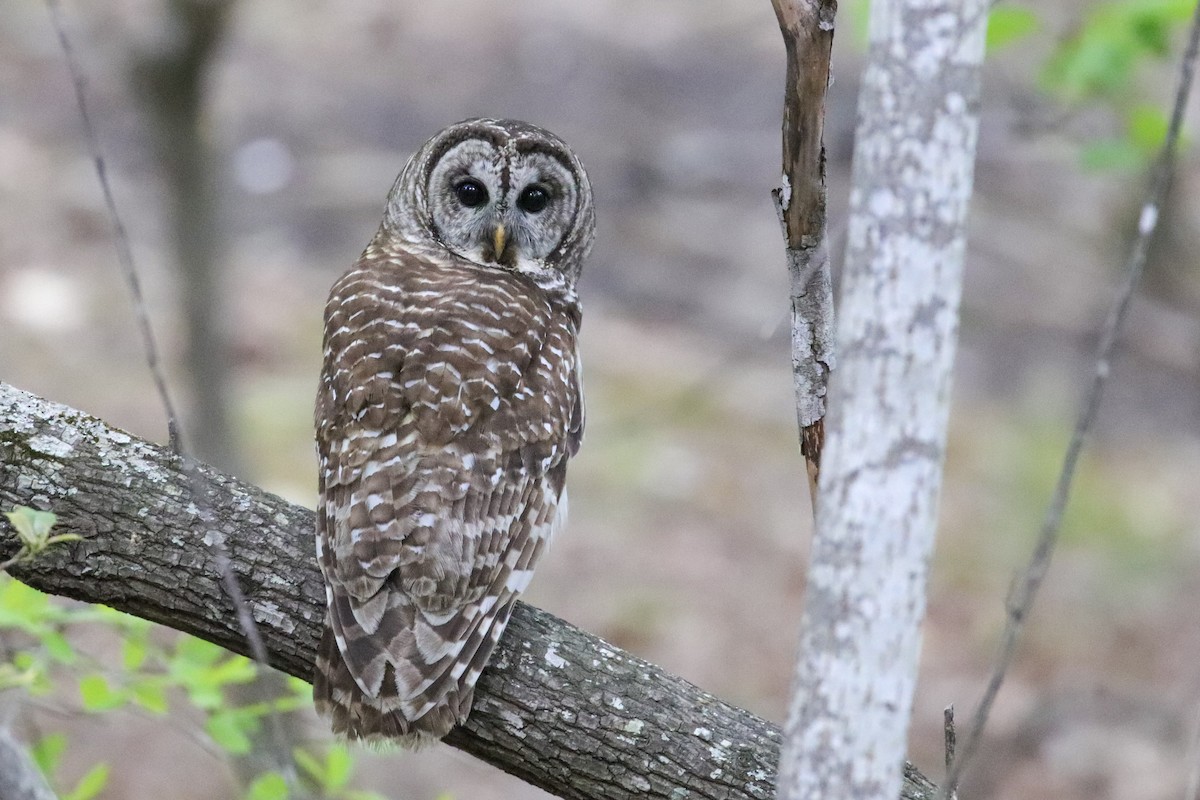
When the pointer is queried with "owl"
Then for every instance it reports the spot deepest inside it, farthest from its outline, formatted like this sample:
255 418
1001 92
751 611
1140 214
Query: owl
449 404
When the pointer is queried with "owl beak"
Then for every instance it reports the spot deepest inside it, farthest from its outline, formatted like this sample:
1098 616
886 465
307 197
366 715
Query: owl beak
498 241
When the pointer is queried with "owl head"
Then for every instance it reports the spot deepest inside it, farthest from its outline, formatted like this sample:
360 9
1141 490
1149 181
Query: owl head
500 193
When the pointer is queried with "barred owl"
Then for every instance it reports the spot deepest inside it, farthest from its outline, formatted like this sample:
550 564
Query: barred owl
448 406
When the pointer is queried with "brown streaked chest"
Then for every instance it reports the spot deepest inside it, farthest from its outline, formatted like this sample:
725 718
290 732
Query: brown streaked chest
464 349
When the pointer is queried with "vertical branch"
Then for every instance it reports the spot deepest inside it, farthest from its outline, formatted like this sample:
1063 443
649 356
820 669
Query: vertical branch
807 27
881 473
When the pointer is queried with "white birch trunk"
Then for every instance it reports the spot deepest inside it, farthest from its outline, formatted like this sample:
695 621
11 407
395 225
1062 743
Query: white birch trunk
881 471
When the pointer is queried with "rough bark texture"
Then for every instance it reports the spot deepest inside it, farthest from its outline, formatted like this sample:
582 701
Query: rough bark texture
881 472
556 707
807 27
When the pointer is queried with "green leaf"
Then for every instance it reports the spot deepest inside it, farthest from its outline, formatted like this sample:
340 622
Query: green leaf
150 695
332 774
229 730
58 647
859 14
97 695
206 698
22 607
268 786
48 752
11 677
286 703
30 673
338 766
309 764
196 652
90 784
1112 154
1099 60
1007 24
133 652
1148 128
235 669
32 526
198 668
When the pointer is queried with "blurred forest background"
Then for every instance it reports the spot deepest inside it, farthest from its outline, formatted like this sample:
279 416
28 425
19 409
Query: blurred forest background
263 135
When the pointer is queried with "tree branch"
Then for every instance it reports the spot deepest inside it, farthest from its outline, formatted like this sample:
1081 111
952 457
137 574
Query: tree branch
557 707
807 28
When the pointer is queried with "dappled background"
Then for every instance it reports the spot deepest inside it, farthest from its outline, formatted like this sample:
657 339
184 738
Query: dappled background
689 510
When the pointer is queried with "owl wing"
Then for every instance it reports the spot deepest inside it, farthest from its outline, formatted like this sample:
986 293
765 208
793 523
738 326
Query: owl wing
444 421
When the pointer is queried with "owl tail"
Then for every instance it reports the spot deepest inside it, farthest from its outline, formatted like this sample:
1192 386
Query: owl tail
358 717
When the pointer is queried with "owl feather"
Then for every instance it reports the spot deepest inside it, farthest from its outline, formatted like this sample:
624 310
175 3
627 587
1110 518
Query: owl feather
448 406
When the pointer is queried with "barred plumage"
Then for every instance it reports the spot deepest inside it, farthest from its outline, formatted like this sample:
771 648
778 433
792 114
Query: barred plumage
449 404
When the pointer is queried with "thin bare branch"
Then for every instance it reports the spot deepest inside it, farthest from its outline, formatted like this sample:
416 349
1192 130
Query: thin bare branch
120 236
807 28
281 752
1026 585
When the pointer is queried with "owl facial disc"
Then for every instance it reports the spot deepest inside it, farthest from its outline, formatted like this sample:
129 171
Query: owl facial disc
499 193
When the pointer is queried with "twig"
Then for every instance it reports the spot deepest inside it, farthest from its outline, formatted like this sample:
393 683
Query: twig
121 237
1026 586
280 749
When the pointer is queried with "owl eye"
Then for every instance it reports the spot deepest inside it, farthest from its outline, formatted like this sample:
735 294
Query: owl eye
533 199
471 192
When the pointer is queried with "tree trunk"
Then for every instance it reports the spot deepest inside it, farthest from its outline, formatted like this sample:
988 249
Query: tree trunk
889 401
171 81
